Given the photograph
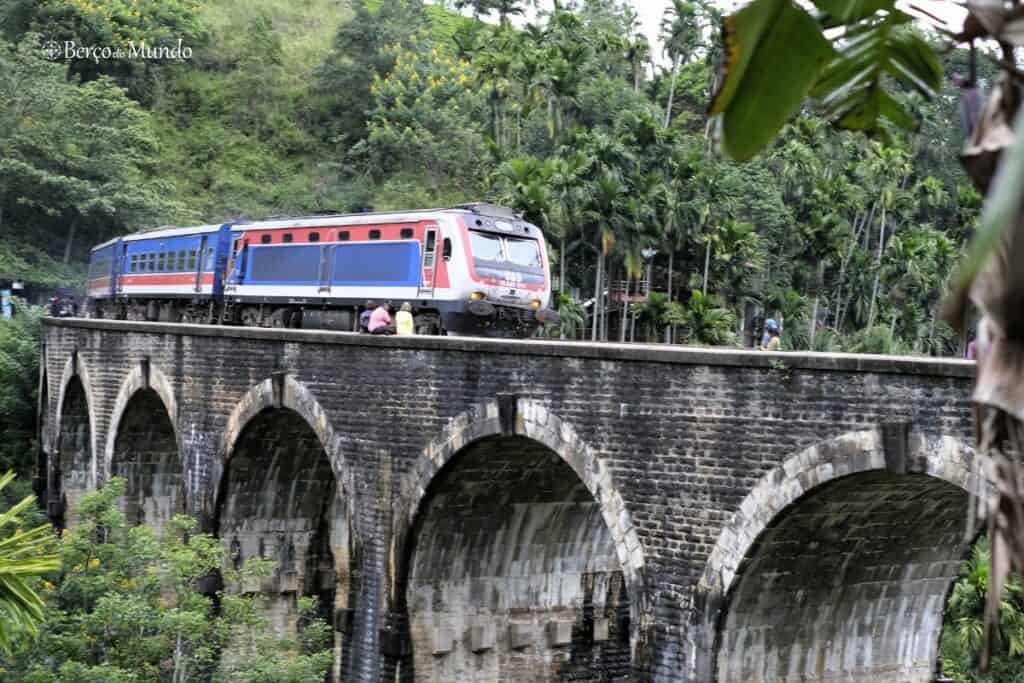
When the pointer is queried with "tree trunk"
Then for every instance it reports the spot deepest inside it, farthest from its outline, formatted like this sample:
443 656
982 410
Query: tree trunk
878 267
707 264
668 294
595 310
71 239
671 91
814 320
625 311
561 266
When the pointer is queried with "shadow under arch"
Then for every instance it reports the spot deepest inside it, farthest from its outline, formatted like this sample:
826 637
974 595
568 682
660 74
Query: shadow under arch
75 368
143 446
72 465
284 493
836 565
471 441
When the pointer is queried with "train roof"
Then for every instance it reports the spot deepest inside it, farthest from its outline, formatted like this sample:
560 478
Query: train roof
317 220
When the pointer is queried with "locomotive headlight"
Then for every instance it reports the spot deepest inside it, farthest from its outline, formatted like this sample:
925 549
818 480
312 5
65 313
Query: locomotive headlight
535 303
477 296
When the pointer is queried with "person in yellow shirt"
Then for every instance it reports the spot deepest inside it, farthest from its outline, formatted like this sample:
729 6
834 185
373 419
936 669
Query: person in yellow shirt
403 320
771 341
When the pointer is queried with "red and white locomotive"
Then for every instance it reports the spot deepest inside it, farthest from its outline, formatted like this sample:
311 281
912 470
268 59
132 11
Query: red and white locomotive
472 269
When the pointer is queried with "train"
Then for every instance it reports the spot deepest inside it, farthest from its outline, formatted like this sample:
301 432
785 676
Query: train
473 269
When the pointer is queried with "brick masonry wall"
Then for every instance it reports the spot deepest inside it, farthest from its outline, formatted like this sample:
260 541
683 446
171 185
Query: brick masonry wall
671 443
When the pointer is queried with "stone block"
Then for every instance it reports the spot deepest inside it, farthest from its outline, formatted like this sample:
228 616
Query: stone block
559 633
520 636
442 641
481 638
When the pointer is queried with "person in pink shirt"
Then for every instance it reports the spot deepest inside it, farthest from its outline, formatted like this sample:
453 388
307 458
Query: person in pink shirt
380 321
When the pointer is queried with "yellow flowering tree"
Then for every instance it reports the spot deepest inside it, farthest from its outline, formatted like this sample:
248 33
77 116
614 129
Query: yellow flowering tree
426 118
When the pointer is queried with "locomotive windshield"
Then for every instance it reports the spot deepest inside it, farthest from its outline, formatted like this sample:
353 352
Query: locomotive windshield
490 247
486 247
524 252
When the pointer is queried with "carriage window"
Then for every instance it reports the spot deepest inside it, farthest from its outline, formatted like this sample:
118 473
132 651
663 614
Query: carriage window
181 259
161 261
375 234
209 259
314 237
132 263
431 241
487 247
446 249
287 237
406 233
343 236
524 252
265 239
191 259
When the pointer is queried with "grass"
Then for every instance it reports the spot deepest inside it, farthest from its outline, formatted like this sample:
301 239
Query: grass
306 27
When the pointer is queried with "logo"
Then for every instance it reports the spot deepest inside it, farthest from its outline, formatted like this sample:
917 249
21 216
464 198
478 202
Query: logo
52 50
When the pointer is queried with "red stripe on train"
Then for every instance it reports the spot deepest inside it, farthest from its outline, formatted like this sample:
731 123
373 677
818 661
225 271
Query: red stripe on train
149 279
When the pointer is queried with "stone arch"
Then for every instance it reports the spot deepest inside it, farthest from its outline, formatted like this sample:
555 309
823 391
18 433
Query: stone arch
837 564
284 495
553 571
143 447
73 465
75 368
284 391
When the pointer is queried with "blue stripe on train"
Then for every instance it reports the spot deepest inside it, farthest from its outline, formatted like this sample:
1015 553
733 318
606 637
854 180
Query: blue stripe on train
384 264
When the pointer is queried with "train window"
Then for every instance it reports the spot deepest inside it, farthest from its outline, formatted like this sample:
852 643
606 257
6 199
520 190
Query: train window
314 237
343 236
446 249
181 260
191 259
431 240
375 234
161 262
287 237
265 239
406 233
209 258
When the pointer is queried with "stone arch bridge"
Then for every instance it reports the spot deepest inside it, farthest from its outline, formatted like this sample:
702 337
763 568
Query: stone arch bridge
490 510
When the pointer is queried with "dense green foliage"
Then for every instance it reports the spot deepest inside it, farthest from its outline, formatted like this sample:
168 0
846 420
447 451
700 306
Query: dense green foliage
849 242
19 379
963 634
24 555
127 609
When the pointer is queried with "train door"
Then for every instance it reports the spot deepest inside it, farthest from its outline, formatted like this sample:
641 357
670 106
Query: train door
326 272
429 267
222 247
118 266
200 260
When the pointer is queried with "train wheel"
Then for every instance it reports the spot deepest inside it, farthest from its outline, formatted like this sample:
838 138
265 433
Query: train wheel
279 318
250 317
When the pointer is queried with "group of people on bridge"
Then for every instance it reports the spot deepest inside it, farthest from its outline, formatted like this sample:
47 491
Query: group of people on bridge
376 319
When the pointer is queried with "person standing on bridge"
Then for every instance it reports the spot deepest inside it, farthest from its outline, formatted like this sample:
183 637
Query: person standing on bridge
380 321
771 341
364 317
403 321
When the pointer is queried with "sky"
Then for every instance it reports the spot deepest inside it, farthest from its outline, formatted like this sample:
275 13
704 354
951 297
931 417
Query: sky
650 13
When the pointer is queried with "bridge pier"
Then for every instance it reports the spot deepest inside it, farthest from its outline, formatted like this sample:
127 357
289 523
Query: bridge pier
472 509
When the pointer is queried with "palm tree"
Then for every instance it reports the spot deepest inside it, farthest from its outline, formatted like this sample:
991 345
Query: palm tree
506 9
680 34
707 321
605 211
23 554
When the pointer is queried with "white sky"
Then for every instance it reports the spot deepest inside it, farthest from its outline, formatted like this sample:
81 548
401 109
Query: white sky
650 13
